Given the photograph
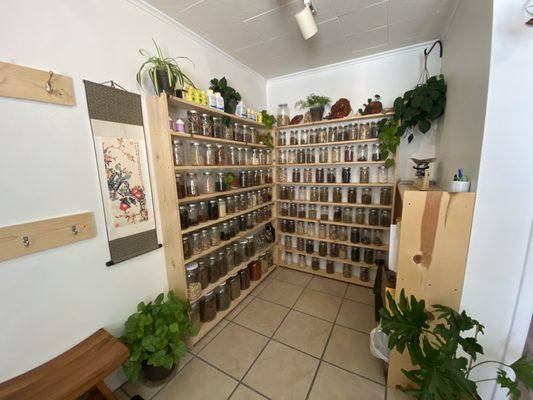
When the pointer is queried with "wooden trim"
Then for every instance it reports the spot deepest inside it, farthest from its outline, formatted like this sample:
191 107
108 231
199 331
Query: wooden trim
331 203
384 248
29 83
336 121
198 138
329 164
338 184
335 276
45 234
339 143
221 194
346 260
318 220
190 168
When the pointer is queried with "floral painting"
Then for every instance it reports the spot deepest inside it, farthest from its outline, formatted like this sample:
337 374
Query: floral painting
125 184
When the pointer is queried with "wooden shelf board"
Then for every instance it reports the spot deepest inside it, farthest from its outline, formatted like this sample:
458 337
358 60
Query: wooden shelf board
336 275
334 223
242 266
206 327
176 101
339 164
226 242
329 203
336 121
384 248
192 168
189 136
337 184
222 194
334 259
339 143
227 217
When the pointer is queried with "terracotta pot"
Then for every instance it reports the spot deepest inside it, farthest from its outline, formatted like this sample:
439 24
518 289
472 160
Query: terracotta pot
317 113
375 107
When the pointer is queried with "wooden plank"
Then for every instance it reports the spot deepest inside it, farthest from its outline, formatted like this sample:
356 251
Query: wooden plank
31 237
163 166
337 276
432 254
70 374
337 121
211 139
29 83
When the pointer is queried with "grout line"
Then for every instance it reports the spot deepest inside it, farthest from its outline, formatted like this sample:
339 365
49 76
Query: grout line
354 373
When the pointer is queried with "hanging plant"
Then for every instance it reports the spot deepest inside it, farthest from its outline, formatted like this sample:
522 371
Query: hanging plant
268 119
421 106
389 139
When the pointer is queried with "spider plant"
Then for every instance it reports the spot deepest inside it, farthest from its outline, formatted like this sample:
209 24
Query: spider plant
165 72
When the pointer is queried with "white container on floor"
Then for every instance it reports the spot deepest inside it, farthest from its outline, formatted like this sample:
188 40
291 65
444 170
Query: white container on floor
459 186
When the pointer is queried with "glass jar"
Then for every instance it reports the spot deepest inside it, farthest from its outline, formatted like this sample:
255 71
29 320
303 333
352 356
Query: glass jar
373 130
384 218
330 267
332 175
194 288
283 117
206 125
319 175
180 186
220 155
255 270
365 237
362 152
373 217
192 185
366 196
208 183
336 154
193 215
203 274
223 296
368 256
322 135
238 132
301 211
334 250
300 245
337 195
312 139
383 176
379 258
333 232
352 195
311 229
301 261
315 264
343 251
186 244
218 128
347 270
296 175
184 217
300 228
209 155
364 131
377 239
313 194
214 235
364 175
177 150
342 233
197 155
355 254
337 214
323 194
234 284
347 215
244 275
376 155
310 156
355 235
208 307
232 157
323 155
203 212
324 213
308 175
194 314
205 239
322 249
220 182
346 175
222 211
364 274
213 269
212 209
222 263
193 122
322 231
311 212
348 153
385 197
360 216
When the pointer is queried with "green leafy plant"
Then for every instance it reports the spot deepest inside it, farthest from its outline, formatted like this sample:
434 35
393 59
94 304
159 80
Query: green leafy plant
168 65
421 106
227 92
441 372
313 100
389 139
154 334
269 120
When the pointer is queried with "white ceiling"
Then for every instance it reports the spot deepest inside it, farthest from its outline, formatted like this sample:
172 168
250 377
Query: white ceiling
263 34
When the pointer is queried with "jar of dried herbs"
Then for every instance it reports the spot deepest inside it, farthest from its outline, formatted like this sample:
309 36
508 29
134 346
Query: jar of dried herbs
347 270
330 267
373 217
208 307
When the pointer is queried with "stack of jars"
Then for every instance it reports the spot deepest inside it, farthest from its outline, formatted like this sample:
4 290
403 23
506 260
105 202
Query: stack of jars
355 131
200 154
347 215
210 210
231 276
324 155
214 182
350 195
202 240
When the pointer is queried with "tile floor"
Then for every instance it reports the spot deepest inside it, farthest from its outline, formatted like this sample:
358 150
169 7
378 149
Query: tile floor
297 336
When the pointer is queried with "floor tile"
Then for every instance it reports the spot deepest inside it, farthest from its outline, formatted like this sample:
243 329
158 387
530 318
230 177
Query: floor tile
282 373
357 316
394 394
294 277
319 304
360 294
121 395
333 383
242 305
198 381
282 293
207 338
244 393
260 287
350 350
262 316
146 392
304 332
234 350
329 286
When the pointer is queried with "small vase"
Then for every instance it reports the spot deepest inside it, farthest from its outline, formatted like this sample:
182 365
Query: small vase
231 106
316 113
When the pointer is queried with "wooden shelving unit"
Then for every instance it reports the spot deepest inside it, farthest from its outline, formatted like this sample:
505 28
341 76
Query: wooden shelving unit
372 185
160 109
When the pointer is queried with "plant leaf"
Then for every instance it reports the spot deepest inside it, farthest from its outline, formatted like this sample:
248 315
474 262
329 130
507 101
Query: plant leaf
424 125
523 369
505 382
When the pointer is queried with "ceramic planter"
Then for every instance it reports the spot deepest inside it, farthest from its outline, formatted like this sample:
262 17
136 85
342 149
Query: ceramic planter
157 374
163 82
231 106
317 113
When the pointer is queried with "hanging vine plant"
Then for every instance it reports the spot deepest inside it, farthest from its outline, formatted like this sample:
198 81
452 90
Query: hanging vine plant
418 107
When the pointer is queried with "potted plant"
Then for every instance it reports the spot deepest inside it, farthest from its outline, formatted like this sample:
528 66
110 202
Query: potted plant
316 105
231 96
154 336
437 351
165 73
373 106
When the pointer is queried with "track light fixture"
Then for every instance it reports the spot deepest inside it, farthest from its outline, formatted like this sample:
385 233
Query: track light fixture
306 20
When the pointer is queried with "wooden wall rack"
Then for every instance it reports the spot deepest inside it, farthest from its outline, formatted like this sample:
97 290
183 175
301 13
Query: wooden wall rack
35 84
31 237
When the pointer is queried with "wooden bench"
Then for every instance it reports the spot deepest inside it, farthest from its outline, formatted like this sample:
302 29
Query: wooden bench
71 374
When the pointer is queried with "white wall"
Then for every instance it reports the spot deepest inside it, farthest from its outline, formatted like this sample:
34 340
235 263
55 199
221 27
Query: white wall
51 300
498 289
465 64
388 74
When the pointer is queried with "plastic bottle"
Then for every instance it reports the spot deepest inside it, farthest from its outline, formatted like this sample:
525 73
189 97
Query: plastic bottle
211 99
220 101
238 109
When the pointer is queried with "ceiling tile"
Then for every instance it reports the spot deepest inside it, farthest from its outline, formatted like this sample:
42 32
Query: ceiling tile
325 10
276 22
172 7
366 40
403 10
347 6
364 19
429 26
246 9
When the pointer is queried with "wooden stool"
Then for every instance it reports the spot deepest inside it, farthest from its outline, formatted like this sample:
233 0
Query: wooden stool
71 374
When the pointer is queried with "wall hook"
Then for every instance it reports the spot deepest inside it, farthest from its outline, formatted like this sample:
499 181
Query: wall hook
426 51
25 241
74 229
48 87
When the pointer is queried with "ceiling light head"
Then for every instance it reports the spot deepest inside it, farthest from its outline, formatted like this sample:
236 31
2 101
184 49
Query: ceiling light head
528 13
306 21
